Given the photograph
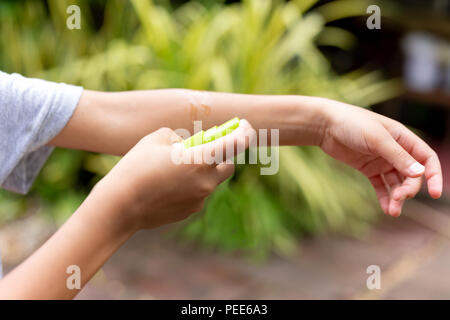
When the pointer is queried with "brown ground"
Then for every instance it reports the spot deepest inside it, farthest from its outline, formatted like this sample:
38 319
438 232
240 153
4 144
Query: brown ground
413 253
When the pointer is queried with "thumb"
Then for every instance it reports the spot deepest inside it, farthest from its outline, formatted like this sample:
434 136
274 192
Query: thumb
165 136
386 146
224 171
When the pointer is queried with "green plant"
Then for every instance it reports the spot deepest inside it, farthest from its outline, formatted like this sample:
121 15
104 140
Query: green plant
257 46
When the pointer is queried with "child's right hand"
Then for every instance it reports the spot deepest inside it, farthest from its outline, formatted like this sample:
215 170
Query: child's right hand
149 189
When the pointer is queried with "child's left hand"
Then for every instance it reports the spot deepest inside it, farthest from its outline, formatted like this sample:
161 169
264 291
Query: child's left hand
385 151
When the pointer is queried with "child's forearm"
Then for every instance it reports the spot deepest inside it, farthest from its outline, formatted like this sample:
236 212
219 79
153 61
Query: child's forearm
86 240
113 122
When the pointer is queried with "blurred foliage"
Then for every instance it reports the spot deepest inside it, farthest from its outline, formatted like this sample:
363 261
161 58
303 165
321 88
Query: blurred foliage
256 46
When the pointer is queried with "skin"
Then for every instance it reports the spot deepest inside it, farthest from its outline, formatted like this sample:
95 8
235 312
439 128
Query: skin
146 189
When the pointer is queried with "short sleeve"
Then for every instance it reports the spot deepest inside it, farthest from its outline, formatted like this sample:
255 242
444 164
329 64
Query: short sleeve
32 112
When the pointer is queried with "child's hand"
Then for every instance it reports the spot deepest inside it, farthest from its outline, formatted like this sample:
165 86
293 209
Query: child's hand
152 190
384 150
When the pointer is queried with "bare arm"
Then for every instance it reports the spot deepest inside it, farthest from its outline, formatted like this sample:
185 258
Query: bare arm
113 122
390 155
386 152
86 240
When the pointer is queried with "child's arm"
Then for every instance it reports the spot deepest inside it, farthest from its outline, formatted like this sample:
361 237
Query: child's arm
144 190
112 122
381 148
89 237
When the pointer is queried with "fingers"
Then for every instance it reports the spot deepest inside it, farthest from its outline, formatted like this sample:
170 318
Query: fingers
392 191
382 192
422 152
433 174
408 189
224 171
386 146
393 182
216 154
227 147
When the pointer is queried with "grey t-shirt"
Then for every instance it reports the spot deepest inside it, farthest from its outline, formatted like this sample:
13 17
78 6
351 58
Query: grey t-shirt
32 112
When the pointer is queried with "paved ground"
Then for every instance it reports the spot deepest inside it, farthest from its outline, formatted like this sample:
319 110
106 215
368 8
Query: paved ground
414 261
413 253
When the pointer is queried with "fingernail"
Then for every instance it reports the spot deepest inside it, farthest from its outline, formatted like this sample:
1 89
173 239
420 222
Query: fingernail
416 168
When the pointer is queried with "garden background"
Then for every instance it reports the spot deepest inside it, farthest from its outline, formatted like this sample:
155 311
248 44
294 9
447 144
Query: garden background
259 224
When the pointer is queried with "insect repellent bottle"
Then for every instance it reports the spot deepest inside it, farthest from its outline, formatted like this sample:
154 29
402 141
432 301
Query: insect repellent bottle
211 134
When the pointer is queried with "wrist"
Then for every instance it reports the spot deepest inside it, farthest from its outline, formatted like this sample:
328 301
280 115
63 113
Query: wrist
316 118
113 205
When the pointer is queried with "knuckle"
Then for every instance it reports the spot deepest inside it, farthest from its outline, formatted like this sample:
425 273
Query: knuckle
206 189
164 131
373 140
231 169
146 139
402 154
198 171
